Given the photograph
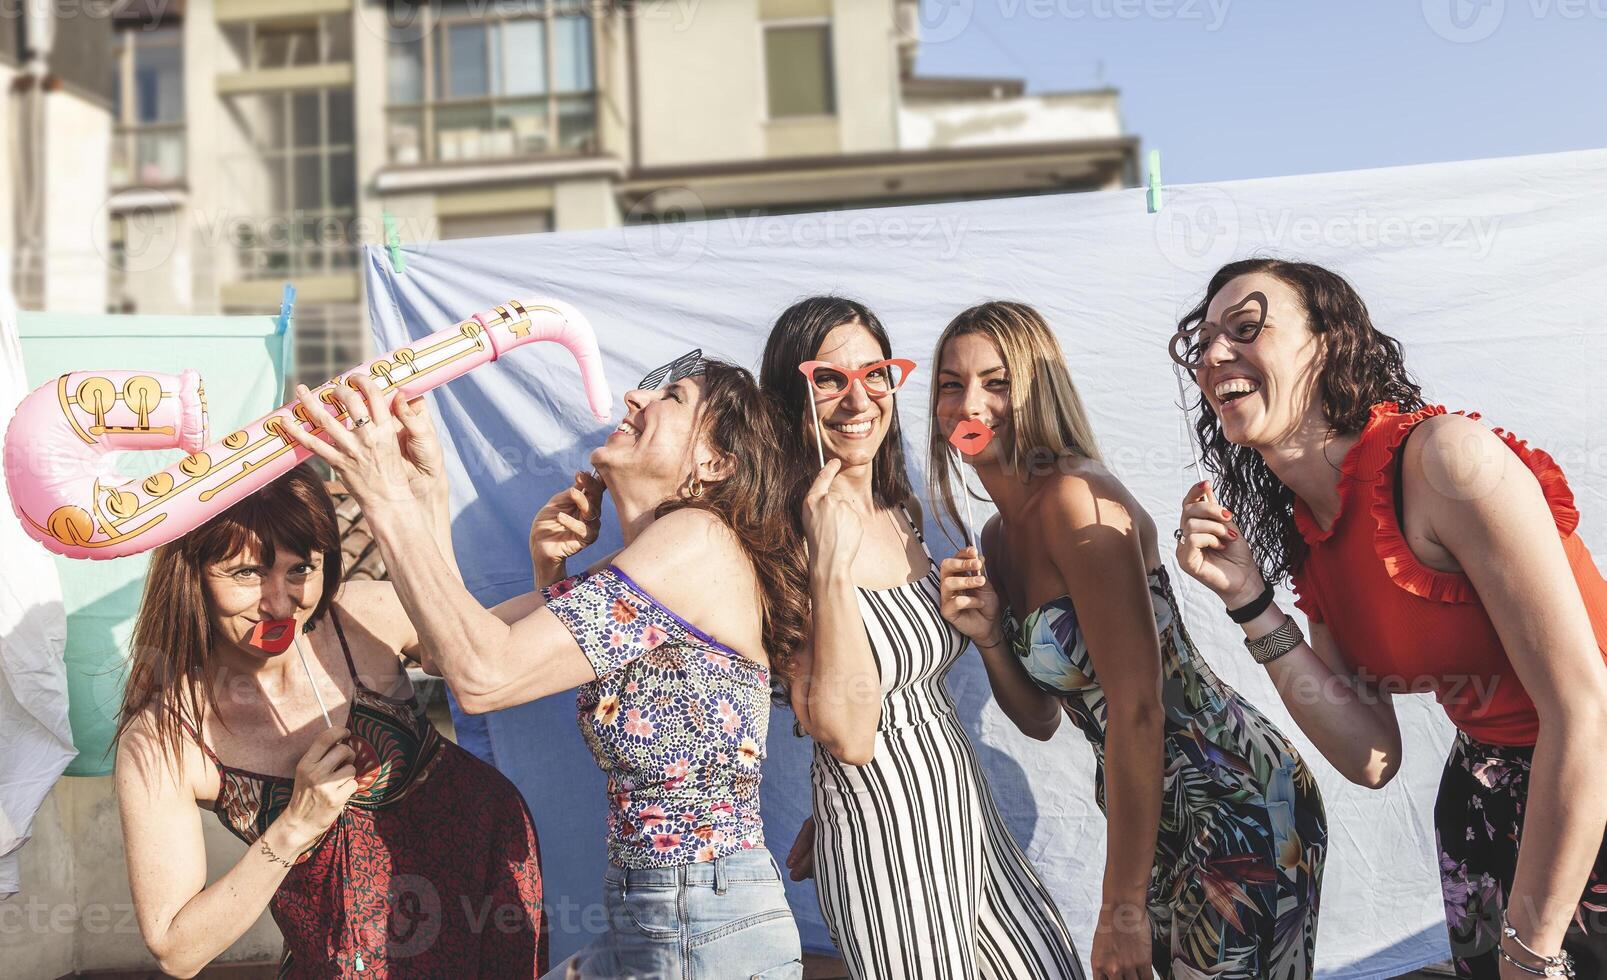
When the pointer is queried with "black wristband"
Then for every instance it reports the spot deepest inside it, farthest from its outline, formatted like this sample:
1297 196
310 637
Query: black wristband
1253 608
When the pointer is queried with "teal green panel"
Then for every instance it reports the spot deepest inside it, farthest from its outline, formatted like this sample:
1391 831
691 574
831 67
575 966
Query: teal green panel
241 361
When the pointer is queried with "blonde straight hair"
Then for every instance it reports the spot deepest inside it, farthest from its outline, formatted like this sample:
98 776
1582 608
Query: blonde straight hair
1047 415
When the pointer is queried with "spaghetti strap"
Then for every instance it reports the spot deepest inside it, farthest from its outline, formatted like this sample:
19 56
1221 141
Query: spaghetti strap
910 519
344 649
190 730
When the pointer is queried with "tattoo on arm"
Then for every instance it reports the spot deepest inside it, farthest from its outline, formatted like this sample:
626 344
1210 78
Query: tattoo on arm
262 845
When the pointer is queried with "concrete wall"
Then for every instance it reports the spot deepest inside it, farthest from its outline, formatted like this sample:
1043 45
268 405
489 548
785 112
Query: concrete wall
8 122
75 912
702 80
37 936
78 147
1001 122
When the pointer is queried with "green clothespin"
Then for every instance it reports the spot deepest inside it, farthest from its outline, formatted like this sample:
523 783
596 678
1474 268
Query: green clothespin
393 244
1154 194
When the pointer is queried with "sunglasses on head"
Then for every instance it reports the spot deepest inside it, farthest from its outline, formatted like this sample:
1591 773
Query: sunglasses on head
1244 322
688 365
880 378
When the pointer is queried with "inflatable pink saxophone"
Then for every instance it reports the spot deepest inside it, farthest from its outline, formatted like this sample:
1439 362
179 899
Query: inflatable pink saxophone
71 501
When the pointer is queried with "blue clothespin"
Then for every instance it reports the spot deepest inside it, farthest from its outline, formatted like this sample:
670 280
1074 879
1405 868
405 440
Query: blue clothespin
287 349
1154 193
393 244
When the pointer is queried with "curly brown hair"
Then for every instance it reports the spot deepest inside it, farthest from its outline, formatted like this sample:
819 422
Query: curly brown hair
1360 367
739 421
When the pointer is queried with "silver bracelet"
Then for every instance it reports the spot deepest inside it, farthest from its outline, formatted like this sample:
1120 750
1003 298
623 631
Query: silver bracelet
1561 965
1265 649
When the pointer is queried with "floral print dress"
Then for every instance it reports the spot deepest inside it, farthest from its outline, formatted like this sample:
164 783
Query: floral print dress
1243 836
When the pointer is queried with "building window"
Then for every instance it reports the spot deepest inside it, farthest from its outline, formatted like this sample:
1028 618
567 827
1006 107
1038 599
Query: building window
798 71
471 88
265 45
327 340
148 99
300 179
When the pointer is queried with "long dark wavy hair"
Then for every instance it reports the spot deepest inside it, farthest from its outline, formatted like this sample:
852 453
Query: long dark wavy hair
738 422
171 667
795 338
1360 366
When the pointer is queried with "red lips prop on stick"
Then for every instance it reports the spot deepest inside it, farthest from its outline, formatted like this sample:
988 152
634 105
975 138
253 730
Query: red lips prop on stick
273 635
969 438
364 759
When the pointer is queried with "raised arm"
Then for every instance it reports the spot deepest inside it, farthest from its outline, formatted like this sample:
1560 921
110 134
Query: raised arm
1095 544
1354 728
488 663
838 695
1487 509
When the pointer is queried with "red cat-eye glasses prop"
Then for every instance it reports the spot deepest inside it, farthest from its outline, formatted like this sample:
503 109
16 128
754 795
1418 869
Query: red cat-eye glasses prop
828 382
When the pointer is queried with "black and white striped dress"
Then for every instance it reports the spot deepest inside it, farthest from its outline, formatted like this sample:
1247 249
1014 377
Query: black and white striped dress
917 875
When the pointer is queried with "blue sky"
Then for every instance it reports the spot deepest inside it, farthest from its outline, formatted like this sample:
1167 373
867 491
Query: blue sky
1231 89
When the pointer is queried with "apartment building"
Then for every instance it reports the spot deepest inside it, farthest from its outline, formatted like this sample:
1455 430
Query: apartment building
263 141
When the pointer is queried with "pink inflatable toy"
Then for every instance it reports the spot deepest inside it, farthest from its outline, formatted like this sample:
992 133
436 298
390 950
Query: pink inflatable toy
73 502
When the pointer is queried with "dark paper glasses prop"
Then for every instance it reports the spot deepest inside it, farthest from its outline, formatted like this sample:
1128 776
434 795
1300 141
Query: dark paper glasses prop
969 438
828 382
1244 322
688 365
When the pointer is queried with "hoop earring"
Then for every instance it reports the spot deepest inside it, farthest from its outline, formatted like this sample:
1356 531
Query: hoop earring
695 488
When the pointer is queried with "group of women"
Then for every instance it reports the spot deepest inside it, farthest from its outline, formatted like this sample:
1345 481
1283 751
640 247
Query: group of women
773 550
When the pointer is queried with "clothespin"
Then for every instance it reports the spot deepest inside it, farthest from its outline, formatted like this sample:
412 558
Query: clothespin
393 244
287 348
287 306
1154 193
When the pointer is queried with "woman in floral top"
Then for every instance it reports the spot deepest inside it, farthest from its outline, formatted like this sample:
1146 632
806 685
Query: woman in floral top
674 716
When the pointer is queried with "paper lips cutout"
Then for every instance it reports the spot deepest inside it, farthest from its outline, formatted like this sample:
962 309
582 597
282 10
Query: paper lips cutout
273 635
971 437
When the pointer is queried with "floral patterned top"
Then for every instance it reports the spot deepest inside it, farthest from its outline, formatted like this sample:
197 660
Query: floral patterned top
675 718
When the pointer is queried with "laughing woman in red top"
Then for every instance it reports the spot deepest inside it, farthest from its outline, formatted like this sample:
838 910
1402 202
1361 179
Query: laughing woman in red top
1429 554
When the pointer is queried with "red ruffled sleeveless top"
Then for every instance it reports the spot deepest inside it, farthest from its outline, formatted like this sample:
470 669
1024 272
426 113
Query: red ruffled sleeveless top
1395 619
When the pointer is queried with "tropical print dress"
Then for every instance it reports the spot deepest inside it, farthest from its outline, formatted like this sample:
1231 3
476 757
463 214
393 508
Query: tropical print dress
1243 835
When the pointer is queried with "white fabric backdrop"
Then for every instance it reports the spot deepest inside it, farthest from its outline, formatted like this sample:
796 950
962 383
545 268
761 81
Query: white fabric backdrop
1490 272
35 741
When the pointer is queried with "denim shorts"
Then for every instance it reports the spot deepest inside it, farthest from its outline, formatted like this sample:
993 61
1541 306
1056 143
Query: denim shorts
721 919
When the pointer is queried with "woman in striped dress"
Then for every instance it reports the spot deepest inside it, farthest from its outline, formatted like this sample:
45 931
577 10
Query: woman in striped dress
916 873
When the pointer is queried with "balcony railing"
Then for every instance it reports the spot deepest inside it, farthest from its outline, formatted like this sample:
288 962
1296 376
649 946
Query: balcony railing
148 155
492 128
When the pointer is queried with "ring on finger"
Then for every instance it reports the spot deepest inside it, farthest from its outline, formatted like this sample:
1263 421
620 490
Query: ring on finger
1177 535
359 423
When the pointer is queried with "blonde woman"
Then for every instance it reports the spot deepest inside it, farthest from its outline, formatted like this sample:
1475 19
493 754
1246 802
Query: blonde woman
1216 832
